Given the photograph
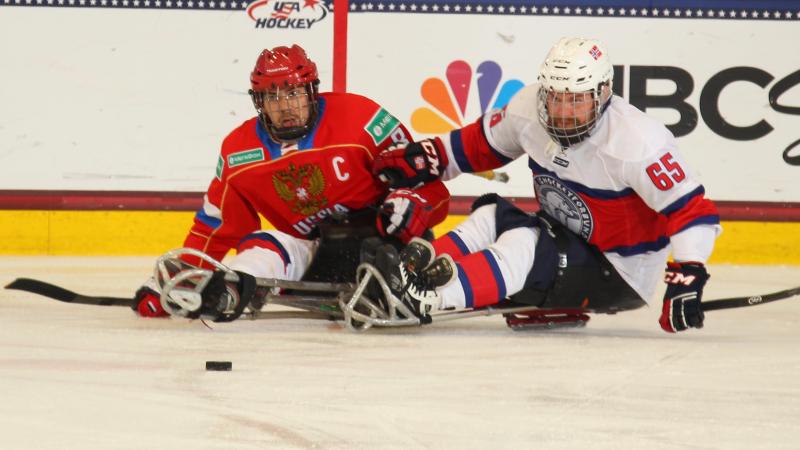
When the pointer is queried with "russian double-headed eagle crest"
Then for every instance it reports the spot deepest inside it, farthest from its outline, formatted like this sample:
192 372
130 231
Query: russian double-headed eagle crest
301 187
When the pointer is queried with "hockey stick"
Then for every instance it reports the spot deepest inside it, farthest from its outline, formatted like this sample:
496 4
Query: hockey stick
314 307
65 295
738 302
325 312
711 305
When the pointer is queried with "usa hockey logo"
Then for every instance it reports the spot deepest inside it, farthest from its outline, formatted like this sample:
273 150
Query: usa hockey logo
563 204
450 99
283 15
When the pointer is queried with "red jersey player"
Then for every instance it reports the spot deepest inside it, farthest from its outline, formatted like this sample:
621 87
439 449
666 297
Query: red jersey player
306 156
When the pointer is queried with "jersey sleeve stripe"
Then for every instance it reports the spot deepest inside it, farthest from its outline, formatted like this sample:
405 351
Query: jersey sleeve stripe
457 146
500 157
642 247
683 201
697 210
602 194
211 222
711 219
472 151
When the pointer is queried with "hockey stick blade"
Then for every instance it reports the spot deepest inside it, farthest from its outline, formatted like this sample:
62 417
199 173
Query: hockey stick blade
64 295
738 302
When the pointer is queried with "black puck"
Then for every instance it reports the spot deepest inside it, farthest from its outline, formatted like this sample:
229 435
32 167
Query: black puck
219 365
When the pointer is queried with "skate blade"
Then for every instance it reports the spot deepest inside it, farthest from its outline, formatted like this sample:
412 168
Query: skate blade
546 326
542 322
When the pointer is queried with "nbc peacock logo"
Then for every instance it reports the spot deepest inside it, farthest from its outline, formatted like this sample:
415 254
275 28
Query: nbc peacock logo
450 100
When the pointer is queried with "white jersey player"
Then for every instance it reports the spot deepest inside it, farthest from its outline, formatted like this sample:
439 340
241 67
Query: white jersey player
616 196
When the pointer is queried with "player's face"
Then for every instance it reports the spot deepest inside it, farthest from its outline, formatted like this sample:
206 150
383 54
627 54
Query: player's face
569 110
287 108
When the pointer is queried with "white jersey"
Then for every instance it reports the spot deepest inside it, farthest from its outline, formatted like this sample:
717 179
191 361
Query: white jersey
625 189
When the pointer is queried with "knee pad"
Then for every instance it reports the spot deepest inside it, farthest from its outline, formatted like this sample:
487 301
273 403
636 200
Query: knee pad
265 240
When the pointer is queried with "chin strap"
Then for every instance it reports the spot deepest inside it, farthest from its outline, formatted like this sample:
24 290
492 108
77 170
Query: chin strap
289 133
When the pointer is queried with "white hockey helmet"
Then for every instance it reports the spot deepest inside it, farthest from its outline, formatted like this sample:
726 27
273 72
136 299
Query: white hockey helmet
574 65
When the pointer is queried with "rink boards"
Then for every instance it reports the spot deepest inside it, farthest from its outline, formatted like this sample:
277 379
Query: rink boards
154 232
93 103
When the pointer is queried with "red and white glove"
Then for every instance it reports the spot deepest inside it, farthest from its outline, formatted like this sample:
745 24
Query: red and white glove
411 165
147 301
682 308
404 214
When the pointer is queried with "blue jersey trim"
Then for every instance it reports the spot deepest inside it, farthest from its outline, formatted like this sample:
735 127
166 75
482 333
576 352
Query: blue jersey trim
272 147
462 247
663 241
263 236
498 276
604 194
683 201
503 158
711 219
212 222
458 152
469 299
642 247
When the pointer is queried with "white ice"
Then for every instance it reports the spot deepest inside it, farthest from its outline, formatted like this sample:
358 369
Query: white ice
88 377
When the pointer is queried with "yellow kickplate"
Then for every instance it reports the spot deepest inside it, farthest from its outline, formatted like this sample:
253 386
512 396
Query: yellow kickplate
154 232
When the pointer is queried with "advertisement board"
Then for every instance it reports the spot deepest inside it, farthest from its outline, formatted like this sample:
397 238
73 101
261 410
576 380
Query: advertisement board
137 95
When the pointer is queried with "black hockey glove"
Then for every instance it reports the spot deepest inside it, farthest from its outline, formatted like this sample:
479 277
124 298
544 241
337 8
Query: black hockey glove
682 308
223 301
410 166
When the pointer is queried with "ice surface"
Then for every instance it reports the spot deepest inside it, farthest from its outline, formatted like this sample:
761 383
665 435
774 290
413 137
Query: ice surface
88 377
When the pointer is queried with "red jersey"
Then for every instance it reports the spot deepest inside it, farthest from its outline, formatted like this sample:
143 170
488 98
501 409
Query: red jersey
296 187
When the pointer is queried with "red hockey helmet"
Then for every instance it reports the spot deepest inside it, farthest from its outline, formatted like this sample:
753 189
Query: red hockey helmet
284 68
